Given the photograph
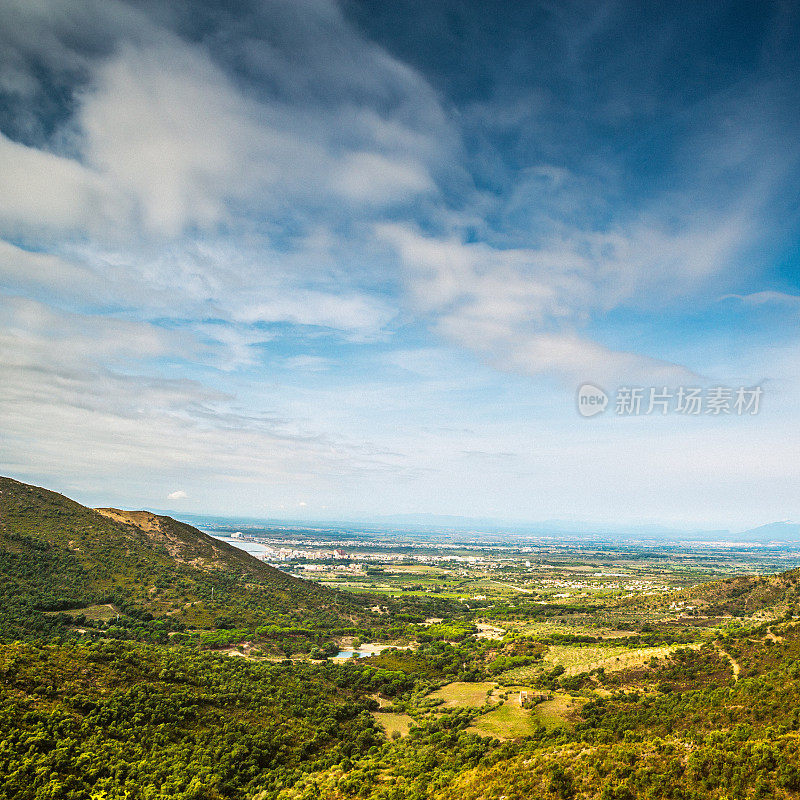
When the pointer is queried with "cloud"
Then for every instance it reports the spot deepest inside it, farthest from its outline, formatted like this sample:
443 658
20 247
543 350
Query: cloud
168 139
767 297
86 397
34 335
374 178
40 273
47 49
42 192
179 494
521 308
165 126
306 364
197 210
356 314
164 136
216 187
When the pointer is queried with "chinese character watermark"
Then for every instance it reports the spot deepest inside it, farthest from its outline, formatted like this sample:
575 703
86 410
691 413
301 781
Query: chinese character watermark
635 401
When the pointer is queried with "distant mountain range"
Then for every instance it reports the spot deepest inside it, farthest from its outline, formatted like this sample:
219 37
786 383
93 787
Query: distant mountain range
784 531
418 524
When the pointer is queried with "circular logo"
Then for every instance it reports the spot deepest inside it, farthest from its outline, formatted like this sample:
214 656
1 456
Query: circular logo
592 400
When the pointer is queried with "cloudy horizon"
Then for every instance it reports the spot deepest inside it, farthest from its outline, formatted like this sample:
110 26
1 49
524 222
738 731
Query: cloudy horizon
318 259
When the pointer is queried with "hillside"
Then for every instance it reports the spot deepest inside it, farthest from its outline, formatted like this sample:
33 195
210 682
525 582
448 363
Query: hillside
188 545
106 688
747 595
784 531
124 720
57 555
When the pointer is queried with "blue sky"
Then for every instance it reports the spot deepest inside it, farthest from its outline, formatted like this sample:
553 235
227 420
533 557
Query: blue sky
324 260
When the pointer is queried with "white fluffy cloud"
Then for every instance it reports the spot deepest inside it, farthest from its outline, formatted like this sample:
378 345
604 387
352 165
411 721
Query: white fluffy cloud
171 188
164 140
522 309
44 194
320 127
166 127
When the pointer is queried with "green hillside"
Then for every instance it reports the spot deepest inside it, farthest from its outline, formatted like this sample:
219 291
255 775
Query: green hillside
738 596
124 720
107 691
57 555
746 595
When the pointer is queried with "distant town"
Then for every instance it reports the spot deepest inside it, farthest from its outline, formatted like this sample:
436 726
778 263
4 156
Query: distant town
541 569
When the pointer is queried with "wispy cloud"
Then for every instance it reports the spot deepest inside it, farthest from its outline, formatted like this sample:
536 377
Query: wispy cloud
766 298
522 309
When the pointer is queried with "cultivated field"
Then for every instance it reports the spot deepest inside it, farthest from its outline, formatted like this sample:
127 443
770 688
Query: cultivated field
585 658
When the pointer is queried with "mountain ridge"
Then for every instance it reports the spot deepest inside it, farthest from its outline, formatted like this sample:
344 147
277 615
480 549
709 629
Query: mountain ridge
56 554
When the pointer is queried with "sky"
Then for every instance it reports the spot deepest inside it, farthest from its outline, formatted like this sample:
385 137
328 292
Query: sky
337 260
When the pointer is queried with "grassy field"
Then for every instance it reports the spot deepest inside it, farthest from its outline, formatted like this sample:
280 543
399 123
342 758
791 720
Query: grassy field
511 721
464 694
95 613
508 721
584 658
555 713
392 721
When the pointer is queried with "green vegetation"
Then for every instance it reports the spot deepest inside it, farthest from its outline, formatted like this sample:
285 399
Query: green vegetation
56 554
556 713
116 683
696 737
113 718
166 581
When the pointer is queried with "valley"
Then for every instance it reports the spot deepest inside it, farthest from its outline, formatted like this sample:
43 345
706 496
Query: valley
143 657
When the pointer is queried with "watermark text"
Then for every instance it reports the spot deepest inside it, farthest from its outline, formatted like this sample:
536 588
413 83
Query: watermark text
635 401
